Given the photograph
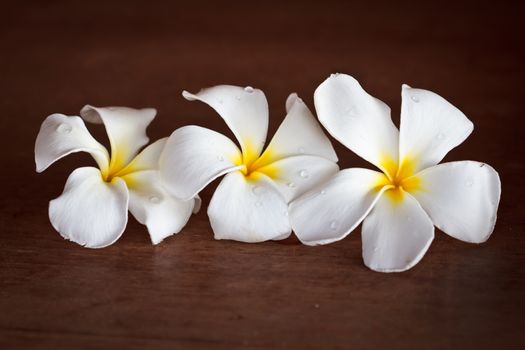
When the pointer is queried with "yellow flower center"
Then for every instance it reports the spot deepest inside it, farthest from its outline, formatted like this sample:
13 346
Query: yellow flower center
116 164
119 167
399 178
255 165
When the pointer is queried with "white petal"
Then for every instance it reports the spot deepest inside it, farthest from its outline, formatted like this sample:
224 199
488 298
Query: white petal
151 205
461 198
197 205
126 129
294 176
357 120
245 111
193 157
248 210
61 135
396 235
90 211
298 134
430 127
331 211
147 159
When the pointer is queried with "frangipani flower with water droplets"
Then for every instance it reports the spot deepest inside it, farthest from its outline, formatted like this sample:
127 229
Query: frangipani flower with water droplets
400 205
93 209
251 202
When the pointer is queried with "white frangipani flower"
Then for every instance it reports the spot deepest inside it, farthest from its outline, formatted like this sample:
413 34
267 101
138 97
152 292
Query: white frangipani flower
93 209
251 202
400 205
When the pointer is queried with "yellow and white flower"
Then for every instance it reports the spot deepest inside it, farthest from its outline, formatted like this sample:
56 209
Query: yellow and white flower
400 205
251 202
93 209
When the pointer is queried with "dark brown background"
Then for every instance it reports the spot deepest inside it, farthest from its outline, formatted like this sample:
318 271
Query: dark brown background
194 292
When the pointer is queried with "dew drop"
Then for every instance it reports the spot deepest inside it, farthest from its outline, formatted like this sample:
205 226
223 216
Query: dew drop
376 249
64 128
440 136
469 183
154 199
220 158
285 213
258 204
323 192
334 224
291 184
301 150
304 174
415 98
257 190
248 89
238 97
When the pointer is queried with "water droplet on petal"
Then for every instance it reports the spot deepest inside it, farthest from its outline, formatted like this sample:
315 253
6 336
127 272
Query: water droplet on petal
376 249
334 225
440 136
64 128
220 158
301 150
285 213
238 97
291 184
248 89
257 190
258 204
154 199
304 174
415 98
323 192
469 183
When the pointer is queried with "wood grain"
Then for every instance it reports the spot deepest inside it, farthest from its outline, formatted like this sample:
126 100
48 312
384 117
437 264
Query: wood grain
192 292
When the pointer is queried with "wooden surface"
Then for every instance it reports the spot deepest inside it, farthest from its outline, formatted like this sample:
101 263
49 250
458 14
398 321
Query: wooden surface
193 292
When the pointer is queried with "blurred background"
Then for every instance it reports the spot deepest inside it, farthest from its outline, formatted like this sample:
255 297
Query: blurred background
194 292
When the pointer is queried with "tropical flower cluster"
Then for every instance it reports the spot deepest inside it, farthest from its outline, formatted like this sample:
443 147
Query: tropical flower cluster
292 184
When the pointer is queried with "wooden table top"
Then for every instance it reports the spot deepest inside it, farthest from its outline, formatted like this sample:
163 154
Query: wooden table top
192 292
